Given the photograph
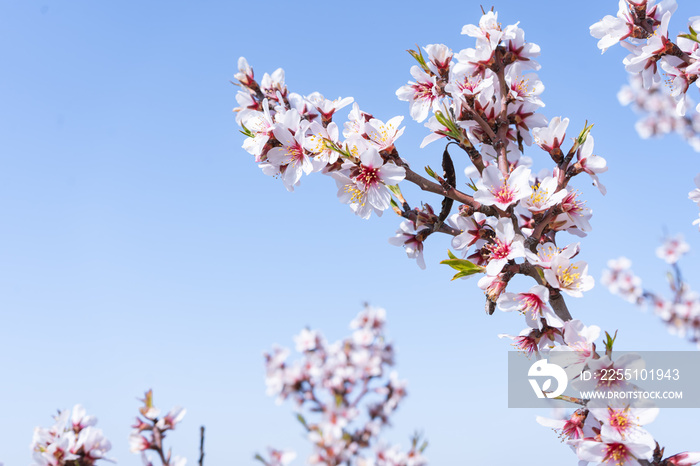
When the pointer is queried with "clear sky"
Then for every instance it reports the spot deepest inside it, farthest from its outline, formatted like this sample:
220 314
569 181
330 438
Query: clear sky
141 247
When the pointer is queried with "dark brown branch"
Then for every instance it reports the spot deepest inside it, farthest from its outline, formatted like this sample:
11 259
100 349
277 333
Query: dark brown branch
444 228
556 300
427 185
201 446
483 123
537 233
501 137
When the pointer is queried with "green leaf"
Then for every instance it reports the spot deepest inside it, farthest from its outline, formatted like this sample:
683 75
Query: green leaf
418 55
247 132
461 275
694 38
441 119
430 172
445 119
395 190
458 264
540 272
464 267
345 153
609 341
584 133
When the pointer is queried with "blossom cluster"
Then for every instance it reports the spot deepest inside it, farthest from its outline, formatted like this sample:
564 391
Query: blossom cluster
291 135
486 101
72 440
610 431
660 118
150 429
658 108
681 312
346 388
641 26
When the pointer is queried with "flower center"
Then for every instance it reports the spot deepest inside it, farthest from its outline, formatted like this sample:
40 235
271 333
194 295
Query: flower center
531 304
619 420
547 254
526 344
616 452
367 176
503 194
469 86
295 154
423 91
571 429
384 138
571 205
539 195
499 250
568 276
521 87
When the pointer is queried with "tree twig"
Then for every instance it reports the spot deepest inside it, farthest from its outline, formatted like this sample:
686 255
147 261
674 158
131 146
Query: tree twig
201 446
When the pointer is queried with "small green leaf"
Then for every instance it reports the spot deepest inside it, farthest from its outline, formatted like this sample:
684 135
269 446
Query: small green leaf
395 190
445 120
461 275
441 119
457 264
418 55
540 272
584 133
345 153
430 172
247 132
609 341
463 266
694 38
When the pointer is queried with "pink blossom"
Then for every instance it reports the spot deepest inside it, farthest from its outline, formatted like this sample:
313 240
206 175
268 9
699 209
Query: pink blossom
421 94
406 237
533 305
502 191
672 249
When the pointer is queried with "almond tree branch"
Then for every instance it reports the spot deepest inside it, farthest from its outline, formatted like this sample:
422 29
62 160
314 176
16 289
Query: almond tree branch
501 137
427 185
483 123
201 446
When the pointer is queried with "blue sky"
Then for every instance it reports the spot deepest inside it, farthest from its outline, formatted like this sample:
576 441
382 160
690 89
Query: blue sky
141 247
